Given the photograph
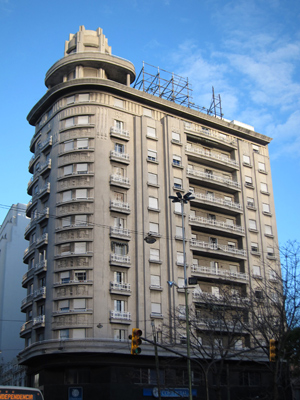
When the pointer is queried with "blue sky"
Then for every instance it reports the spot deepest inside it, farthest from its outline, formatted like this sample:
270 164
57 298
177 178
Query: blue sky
249 50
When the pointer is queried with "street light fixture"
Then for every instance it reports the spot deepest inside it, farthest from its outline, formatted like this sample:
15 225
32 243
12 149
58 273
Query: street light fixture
184 200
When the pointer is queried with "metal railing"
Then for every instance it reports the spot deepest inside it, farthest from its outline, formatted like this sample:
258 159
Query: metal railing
217 200
214 156
125 315
222 273
216 247
217 224
120 286
212 177
209 132
119 131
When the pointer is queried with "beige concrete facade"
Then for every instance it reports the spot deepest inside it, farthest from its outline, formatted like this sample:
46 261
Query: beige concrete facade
105 159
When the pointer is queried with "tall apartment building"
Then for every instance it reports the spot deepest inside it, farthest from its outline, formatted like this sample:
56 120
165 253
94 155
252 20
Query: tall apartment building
12 245
106 157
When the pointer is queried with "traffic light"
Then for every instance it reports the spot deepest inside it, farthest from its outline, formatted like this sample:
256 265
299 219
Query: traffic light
273 350
136 341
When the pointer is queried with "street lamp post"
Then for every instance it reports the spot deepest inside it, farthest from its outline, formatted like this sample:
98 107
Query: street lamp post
184 200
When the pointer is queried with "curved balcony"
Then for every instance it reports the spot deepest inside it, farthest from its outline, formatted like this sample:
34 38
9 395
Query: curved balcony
120 288
40 293
218 204
69 282
120 317
30 205
119 206
217 226
226 141
26 302
40 267
41 241
73 311
120 260
211 158
212 180
119 133
29 228
208 272
45 144
32 182
44 190
25 328
28 252
35 137
32 161
44 167
39 321
119 157
27 276
43 215
219 250
118 180
119 233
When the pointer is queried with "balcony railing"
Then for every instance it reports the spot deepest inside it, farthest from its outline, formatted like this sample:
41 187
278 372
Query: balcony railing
125 315
120 205
204 296
27 299
43 145
45 166
119 155
45 189
119 179
217 248
211 155
211 133
119 132
39 320
42 240
214 178
120 286
40 292
217 224
119 258
119 232
41 266
218 201
208 271
43 214
27 274
26 325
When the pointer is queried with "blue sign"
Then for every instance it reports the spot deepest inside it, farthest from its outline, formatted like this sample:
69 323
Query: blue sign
75 393
174 392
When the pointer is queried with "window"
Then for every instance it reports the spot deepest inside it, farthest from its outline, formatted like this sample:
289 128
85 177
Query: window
70 99
83 97
209 173
66 221
64 334
69 145
65 249
261 167
256 270
177 183
270 252
252 224
119 148
78 334
80 220
176 137
231 245
152 178
151 132
119 124
153 227
238 345
152 155
215 291
246 160
177 160
254 247
65 277
155 280
67 196
268 230
82 168
177 207
119 305
118 196
250 201
153 203
79 304
80 276
210 195
181 282
258 294
119 334
211 217
68 170
266 208
179 258
83 119
248 180
255 148
119 277
155 308
63 306
82 143
213 241
264 187
81 194
79 247
178 233
69 122
154 254
227 199
119 248
251 378
272 275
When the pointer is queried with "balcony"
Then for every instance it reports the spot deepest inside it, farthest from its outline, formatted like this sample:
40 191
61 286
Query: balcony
220 250
44 190
120 260
32 182
28 252
119 206
32 161
218 203
40 293
234 300
43 215
39 321
73 311
120 317
206 133
217 226
73 282
119 133
41 267
25 328
28 275
119 157
44 167
45 144
41 241
26 302
119 233
213 180
215 273
29 228
211 158
120 288
220 325
119 180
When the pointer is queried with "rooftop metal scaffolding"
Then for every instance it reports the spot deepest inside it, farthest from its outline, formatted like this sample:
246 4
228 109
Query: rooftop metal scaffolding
172 87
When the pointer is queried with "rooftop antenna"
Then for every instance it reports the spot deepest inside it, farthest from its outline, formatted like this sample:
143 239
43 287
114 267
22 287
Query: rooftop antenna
215 108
